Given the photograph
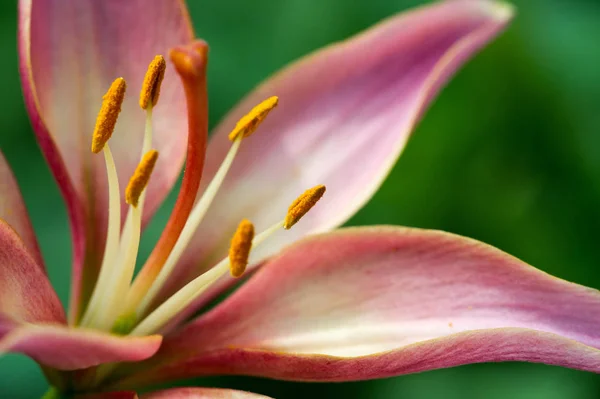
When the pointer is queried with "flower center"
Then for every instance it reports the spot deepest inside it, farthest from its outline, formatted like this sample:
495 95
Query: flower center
121 304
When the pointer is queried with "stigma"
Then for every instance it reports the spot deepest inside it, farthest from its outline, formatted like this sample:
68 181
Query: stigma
122 304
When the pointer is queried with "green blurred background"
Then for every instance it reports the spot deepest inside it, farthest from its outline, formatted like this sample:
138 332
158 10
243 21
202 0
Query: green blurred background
509 154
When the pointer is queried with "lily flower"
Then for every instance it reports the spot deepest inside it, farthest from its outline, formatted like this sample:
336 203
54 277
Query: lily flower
353 304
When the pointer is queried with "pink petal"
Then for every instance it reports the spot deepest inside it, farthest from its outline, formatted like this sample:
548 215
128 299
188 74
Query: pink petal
13 211
374 302
66 348
70 52
202 393
109 395
344 116
32 318
25 291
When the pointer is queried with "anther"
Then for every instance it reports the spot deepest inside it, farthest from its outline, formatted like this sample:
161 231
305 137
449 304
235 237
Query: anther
109 112
250 122
239 251
302 205
140 178
152 81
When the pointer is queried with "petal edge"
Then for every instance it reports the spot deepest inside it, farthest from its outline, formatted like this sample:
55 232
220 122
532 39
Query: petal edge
359 295
356 100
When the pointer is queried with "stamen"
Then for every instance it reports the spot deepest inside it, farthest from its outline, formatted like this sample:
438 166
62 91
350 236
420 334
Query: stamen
192 290
250 122
190 63
140 178
151 86
147 143
146 146
105 125
302 205
239 251
186 295
144 290
112 237
109 112
122 270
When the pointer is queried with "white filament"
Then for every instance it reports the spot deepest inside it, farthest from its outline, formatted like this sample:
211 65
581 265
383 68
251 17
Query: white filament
194 220
192 290
119 248
112 238
121 273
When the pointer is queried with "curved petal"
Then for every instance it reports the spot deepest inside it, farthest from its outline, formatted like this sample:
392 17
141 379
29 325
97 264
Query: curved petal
479 346
26 294
70 51
344 116
13 211
109 395
67 348
32 318
202 393
374 302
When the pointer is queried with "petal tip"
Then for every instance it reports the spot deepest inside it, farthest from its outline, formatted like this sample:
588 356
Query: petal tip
499 10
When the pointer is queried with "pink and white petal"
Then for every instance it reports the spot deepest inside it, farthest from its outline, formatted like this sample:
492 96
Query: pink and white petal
490 345
14 212
67 348
32 320
344 116
26 294
70 51
372 302
202 393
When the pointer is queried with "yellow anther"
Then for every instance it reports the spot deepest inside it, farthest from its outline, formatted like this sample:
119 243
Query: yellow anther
152 80
302 205
109 112
249 123
140 178
239 251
